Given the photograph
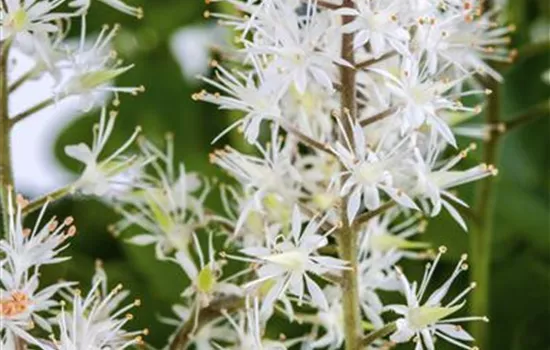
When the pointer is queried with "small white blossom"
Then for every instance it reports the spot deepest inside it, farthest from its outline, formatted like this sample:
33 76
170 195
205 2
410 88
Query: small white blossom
428 319
24 252
376 23
289 261
434 179
93 68
168 204
99 175
367 172
96 321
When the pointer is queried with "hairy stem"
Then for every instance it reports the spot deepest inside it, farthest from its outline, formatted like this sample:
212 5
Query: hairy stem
347 238
184 336
6 177
480 237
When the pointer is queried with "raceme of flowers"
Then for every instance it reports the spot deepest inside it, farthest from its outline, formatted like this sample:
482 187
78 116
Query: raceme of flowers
319 167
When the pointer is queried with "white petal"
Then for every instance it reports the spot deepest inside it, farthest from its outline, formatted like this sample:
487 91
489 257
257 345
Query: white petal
142 240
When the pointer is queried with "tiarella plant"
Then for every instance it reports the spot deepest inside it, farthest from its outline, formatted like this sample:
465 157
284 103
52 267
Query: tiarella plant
352 108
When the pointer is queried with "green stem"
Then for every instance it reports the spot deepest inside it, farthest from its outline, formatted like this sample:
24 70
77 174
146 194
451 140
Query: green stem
50 197
34 109
6 177
538 111
184 336
365 217
379 333
348 235
480 237
22 79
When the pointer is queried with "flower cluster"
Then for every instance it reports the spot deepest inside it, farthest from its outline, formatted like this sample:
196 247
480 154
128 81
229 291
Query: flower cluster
85 70
90 323
351 109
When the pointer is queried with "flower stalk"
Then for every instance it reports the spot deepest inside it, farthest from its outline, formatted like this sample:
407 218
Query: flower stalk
348 237
379 333
6 178
481 235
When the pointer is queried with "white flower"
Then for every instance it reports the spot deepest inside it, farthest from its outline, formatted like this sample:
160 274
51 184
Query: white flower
289 261
428 319
388 233
310 111
376 23
366 173
420 98
331 320
96 321
241 92
383 243
207 335
297 45
27 20
434 179
99 175
93 69
464 42
205 278
249 331
118 5
165 203
271 182
23 252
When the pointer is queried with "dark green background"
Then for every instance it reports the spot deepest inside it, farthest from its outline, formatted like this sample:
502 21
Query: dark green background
519 305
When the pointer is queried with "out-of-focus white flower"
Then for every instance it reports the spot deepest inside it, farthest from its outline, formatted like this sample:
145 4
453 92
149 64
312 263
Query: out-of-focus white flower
96 321
191 46
99 175
291 260
428 319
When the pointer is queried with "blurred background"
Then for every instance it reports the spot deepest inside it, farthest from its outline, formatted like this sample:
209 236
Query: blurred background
170 46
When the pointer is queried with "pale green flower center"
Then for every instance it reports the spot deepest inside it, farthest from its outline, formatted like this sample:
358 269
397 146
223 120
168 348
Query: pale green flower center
387 242
206 280
19 20
294 260
424 316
